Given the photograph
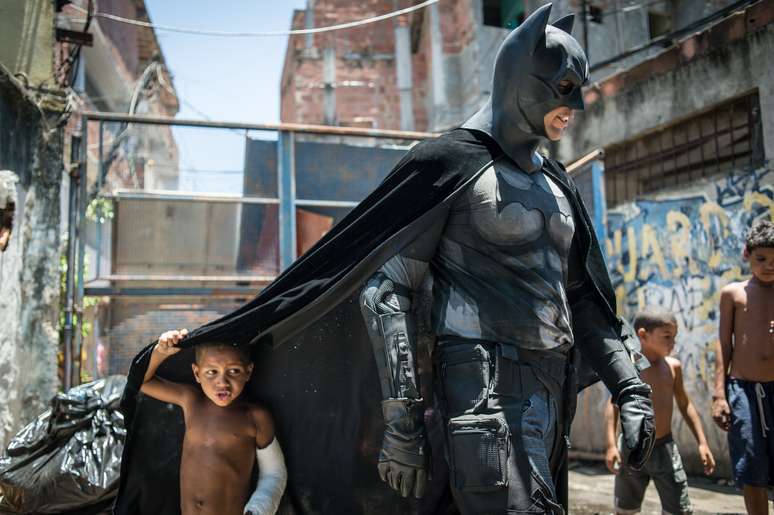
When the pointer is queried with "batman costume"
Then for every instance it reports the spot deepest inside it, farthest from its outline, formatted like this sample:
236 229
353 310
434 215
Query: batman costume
511 303
522 311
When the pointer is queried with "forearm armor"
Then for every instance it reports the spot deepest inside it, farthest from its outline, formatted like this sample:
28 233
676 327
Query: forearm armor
600 345
386 309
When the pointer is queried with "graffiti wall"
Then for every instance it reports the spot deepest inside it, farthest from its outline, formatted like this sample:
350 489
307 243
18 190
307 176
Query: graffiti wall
678 251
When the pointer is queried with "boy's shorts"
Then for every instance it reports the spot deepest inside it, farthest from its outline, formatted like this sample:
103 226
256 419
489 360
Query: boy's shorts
665 467
751 439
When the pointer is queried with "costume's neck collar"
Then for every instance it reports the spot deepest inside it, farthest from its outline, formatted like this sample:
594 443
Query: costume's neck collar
519 145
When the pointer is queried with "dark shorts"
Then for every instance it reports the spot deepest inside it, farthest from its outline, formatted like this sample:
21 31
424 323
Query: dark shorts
751 437
665 468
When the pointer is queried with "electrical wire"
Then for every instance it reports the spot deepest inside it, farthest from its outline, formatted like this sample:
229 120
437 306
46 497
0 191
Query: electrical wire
297 32
154 68
632 7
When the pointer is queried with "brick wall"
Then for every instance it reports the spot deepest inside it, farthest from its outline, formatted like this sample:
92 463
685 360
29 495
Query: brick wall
457 25
366 89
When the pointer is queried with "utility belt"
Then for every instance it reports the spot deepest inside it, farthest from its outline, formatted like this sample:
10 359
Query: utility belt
502 364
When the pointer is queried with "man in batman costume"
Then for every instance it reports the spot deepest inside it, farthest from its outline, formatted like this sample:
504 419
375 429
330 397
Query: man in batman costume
513 298
523 315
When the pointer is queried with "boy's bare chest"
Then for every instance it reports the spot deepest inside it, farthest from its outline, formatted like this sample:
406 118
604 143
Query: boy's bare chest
754 314
753 333
660 378
221 429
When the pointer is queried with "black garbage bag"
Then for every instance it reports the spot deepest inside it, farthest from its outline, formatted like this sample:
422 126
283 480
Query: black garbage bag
68 459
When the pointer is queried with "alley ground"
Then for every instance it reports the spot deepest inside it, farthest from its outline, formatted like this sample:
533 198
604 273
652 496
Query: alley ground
591 492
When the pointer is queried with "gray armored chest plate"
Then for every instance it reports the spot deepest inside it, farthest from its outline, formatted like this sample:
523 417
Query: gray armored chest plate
500 270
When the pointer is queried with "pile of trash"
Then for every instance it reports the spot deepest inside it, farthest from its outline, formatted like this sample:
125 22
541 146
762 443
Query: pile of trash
68 460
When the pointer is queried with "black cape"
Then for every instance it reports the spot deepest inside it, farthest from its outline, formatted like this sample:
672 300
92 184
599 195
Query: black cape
321 384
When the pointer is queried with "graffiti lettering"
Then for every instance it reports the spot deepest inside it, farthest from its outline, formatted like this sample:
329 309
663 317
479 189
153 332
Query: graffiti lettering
704 236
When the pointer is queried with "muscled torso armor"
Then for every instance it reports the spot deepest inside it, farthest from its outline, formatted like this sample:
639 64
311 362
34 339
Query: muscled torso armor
500 269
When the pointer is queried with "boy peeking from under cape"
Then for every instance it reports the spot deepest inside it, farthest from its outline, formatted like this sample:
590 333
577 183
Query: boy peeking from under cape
223 432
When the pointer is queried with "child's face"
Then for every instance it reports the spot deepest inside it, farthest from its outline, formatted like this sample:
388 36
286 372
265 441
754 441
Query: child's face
761 263
222 374
659 341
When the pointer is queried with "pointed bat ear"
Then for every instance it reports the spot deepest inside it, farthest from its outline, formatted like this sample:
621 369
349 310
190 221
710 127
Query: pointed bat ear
534 27
565 23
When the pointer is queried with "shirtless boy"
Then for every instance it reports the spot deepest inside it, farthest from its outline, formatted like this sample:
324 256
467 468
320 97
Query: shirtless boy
224 434
743 401
656 327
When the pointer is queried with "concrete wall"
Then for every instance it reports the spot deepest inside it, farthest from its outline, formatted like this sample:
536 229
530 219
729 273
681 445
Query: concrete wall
29 268
27 37
696 75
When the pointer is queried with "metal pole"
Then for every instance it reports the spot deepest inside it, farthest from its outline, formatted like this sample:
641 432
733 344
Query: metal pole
403 71
329 86
274 127
600 202
81 230
286 179
128 194
75 149
100 164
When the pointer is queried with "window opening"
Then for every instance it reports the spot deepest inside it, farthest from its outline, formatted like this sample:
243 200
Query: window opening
717 141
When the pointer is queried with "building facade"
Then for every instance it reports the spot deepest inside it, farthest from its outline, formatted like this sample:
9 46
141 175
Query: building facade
56 61
688 137
31 168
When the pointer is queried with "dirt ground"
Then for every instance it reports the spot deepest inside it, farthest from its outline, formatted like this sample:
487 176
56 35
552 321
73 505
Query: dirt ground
591 493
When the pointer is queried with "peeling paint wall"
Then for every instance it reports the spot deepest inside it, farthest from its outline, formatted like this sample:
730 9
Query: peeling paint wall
10 298
677 251
29 268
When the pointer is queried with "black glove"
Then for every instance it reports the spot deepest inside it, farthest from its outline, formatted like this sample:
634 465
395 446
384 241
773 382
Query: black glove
403 458
637 424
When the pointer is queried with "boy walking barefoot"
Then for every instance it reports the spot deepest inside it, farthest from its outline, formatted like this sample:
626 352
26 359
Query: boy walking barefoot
743 401
656 329
224 435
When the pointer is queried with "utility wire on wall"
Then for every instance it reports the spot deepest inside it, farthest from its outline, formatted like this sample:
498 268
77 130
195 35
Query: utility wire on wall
298 32
632 7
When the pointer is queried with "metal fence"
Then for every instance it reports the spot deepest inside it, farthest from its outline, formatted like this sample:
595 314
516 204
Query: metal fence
724 138
136 230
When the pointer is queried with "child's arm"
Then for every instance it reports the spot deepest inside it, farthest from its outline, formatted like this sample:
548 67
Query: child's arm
721 413
612 456
161 389
691 417
272 474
